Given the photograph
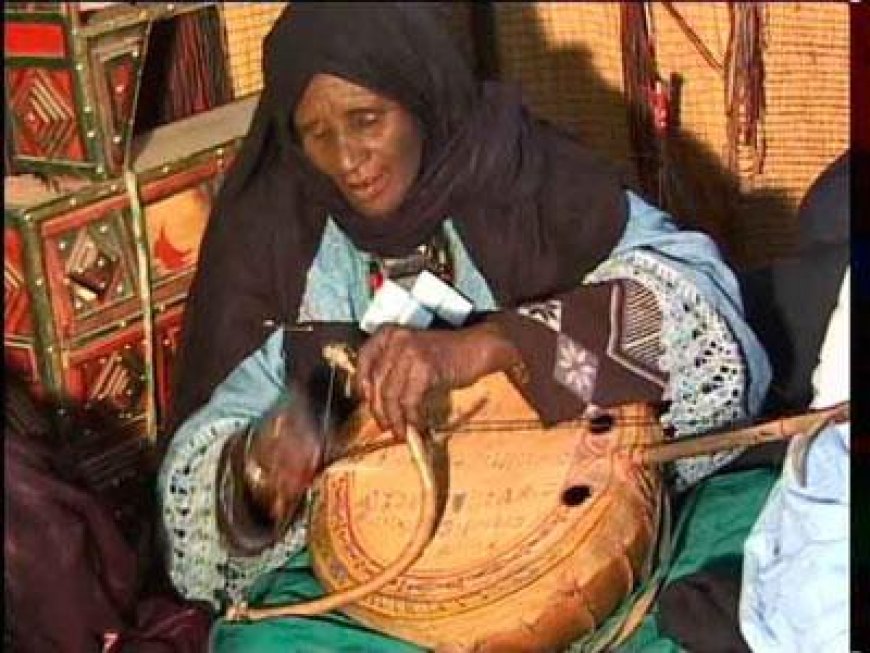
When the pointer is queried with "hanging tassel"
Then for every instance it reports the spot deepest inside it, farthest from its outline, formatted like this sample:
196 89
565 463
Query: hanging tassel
639 82
744 84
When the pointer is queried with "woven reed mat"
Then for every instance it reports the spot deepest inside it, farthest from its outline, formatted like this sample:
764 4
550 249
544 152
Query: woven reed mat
568 59
246 25
807 122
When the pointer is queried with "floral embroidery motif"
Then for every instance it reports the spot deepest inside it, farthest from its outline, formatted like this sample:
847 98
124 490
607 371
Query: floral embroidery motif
576 368
548 313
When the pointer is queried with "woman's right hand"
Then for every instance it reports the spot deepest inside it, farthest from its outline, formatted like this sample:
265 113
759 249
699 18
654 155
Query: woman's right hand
281 459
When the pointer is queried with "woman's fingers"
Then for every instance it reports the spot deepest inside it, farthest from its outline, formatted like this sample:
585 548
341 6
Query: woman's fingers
370 356
417 385
387 380
391 391
403 391
398 369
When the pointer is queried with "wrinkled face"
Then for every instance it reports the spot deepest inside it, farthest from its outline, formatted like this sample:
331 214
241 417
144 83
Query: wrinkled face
368 145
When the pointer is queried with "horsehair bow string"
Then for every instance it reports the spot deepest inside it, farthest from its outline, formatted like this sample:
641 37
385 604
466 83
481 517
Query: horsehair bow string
809 424
693 37
744 84
784 428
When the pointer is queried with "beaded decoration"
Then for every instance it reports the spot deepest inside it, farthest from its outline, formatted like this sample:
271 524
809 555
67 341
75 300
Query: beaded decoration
433 256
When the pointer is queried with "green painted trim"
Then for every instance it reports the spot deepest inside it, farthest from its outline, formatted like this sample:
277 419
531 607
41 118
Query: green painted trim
85 95
52 63
100 190
37 164
19 340
136 216
217 151
141 33
83 340
10 15
53 206
48 354
145 14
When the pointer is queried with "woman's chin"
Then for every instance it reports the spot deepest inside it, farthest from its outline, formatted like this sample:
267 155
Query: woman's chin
376 211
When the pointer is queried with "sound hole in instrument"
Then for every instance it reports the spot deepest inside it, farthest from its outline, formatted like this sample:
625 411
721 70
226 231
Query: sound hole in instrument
575 495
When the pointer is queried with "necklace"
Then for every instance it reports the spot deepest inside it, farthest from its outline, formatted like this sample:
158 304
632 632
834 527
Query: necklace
433 256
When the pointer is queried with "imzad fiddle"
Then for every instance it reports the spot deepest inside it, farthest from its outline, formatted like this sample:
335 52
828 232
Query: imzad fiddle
495 533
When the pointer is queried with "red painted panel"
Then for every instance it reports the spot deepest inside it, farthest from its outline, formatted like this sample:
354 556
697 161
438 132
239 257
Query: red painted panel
43 103
112 379
33 40
74 150
16 305
21 359
167 340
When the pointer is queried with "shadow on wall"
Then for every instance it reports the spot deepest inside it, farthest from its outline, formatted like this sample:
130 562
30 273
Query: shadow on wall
702 193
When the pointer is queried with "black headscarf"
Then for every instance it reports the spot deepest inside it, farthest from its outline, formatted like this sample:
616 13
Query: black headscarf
535 210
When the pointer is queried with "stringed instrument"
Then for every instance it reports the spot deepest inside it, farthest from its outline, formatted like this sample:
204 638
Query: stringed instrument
494 533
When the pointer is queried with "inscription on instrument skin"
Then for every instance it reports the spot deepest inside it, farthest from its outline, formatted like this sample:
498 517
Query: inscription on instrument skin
523 461
468 513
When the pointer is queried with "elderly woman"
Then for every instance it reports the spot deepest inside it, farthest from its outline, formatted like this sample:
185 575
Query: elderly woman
374 155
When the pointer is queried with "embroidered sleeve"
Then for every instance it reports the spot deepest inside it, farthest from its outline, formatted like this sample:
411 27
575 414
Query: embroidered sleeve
636 331
200 564
582 351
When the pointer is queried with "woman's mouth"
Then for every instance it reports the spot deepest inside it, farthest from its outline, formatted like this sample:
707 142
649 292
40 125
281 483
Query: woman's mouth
368 190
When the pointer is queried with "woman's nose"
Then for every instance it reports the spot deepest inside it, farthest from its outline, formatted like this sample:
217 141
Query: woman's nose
350 152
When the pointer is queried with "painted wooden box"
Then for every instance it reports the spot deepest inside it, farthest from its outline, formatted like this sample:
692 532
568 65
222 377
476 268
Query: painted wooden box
73 71
96 275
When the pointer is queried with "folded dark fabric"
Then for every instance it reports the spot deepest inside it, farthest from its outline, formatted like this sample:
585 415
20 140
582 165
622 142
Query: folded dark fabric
700 612
72 581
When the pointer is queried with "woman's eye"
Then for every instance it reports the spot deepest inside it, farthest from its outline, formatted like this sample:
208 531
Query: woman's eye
367 119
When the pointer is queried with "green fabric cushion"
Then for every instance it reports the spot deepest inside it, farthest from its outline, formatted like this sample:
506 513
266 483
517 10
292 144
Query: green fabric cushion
712 526
332 633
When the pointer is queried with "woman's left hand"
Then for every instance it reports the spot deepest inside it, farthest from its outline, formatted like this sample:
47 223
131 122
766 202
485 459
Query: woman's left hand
398 367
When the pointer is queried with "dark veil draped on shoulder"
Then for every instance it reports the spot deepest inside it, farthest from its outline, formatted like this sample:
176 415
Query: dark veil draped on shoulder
535 210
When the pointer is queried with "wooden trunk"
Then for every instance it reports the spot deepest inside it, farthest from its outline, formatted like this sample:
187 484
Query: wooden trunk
72 77
82 321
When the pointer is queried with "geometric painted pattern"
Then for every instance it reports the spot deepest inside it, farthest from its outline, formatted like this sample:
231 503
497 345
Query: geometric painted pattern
120 77
42 103
168 340
16 306
20 357
92 263
548 313
90 267
118 382
14 298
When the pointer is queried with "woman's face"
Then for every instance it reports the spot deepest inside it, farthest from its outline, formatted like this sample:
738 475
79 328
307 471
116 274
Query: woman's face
368 145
